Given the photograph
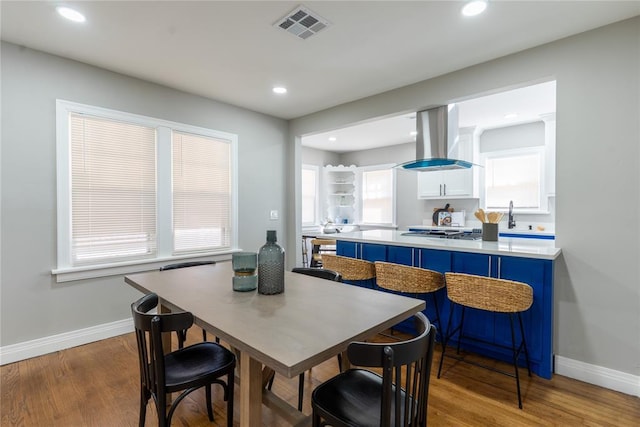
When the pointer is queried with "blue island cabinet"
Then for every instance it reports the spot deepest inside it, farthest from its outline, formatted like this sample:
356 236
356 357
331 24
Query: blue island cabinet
538 320
490 327
431 259
367 251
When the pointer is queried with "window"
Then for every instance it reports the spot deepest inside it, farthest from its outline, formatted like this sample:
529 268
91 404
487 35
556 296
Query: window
378 195
309 195
201 193
113 190
515 175
137 190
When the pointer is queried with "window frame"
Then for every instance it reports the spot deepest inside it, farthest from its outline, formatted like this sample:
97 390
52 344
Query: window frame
361 171
540 151
316 214
65 270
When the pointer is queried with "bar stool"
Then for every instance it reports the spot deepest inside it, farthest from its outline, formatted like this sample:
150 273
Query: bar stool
491 295
305 257
410 280
351 269
318 248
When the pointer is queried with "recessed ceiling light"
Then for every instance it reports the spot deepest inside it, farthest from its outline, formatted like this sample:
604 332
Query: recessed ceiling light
510 116
413 133
71 14
333 138
474 8
280 90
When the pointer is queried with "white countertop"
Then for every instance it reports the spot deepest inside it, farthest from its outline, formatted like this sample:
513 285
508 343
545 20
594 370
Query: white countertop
547 229
509 246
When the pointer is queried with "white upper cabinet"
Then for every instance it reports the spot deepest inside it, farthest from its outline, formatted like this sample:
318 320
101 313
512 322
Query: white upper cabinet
445 184
457 183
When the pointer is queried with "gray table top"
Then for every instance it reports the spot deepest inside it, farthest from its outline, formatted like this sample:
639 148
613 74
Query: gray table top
313 320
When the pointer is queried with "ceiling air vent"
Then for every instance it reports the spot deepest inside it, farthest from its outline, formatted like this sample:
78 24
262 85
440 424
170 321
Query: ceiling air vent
302 23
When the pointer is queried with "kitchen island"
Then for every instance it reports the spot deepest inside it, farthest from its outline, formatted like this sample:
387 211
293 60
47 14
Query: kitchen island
525 260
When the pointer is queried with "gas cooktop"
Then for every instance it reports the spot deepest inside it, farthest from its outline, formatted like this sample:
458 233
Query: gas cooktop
474 234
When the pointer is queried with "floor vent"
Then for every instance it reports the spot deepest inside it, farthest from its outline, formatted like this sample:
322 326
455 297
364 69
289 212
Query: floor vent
302 23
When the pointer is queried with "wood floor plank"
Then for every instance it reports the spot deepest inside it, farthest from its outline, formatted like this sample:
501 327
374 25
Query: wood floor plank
98 385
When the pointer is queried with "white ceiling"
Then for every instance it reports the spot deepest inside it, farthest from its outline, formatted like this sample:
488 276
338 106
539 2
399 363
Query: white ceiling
230 51
528 104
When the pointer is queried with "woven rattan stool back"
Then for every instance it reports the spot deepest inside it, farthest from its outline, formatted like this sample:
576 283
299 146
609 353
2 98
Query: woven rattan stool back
403 278
349 268
486 293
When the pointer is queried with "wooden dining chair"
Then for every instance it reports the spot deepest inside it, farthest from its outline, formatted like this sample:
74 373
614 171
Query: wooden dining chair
319 247
505 297
398 397
184 370
183 337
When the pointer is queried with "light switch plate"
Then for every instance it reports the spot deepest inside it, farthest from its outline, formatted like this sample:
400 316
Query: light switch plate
274 214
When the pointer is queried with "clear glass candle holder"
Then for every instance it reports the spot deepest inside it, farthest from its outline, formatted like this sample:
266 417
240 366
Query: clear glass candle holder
245 265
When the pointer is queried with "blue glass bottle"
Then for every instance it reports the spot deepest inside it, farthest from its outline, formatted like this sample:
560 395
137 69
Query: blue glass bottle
271 266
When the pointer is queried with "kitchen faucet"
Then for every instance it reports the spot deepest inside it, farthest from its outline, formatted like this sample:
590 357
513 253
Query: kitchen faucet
512 222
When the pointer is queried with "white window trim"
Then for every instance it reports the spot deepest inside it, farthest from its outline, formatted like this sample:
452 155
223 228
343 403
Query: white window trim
394 192
316 170
65 271
541 151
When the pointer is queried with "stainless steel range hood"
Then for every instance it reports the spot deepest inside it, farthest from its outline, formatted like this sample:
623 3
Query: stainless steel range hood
437 135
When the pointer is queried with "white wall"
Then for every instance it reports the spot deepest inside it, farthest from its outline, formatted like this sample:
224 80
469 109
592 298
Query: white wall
597 292
33 305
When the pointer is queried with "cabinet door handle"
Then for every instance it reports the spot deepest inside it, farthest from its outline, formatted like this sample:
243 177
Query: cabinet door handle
445 189
441 189
499 267
489 266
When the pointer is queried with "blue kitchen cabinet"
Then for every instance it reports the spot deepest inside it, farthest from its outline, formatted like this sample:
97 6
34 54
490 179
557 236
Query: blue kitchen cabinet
495 328
431 259
367 251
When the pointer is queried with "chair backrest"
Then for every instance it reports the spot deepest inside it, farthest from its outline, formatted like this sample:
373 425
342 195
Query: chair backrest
149 329
406 368
185 264
403 278
323 242
322 273
349 268
487 293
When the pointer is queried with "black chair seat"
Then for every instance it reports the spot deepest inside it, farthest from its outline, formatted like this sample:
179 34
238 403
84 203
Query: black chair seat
184 370
398 397
319 272
354 398
192 365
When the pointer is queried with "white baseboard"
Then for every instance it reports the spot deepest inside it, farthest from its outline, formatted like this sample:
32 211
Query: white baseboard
38 347
598 375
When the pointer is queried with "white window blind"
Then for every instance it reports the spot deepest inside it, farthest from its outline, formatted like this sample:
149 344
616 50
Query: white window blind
201 193
309 194
377 196
113 190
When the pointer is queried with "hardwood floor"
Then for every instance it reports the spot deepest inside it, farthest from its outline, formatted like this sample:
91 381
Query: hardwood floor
97 385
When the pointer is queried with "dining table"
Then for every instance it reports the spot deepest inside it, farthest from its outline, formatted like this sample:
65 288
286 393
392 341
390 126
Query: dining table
312 321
